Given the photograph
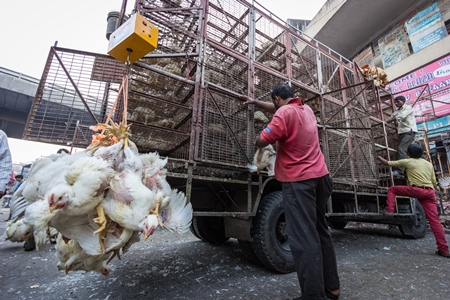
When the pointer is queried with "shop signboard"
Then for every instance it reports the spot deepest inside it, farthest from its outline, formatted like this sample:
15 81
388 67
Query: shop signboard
394 47
437 76
426 27
437 126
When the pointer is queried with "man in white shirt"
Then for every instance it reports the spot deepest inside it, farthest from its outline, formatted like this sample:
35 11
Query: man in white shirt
5 163
406 129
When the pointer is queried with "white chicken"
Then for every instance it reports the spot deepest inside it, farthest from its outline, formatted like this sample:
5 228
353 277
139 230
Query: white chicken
18 231
38 216
45 173
85 182
109 189
80 229
176 217
127 203
72 258
154 174
263 158
444 182
112 153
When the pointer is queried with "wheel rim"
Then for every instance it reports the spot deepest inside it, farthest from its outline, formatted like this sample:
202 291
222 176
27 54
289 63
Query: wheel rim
281 233
419 218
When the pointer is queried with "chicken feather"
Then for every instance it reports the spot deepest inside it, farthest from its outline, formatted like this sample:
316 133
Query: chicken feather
154 174
38 215
177 216
72 258
128 201
18 231
85 181
264 158
80 228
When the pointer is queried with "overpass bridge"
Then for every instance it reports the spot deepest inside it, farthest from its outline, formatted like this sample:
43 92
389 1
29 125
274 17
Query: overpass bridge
53 118
17 92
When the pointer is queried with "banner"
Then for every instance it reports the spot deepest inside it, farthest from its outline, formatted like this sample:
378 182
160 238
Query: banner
394 47
426 27
437 76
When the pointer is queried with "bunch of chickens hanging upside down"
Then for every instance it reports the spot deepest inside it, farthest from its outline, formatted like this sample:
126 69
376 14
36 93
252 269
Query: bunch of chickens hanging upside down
109 189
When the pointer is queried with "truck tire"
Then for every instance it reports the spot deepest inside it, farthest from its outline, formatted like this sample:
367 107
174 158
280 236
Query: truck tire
338 206
249 252
336 224
194 233
270 240
209 229
415 231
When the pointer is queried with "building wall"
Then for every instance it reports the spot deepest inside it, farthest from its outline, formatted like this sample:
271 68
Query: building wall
419 59
320 20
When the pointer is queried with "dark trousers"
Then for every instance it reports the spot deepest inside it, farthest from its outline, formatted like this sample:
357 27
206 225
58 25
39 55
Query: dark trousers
309 237
404 140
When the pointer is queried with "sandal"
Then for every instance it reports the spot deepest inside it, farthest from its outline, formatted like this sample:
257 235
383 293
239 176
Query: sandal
332 295
443 254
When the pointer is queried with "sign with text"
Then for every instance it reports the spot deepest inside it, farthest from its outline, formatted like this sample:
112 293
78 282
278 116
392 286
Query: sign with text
437 76
426 27
394 47
436 126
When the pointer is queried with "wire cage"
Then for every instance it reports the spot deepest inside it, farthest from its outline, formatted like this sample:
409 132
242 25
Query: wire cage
183 97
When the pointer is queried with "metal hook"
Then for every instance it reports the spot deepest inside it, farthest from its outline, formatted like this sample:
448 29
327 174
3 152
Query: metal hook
127 62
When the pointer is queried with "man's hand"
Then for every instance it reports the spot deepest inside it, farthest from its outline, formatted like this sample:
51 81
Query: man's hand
247 100
267 106
260 143
383 161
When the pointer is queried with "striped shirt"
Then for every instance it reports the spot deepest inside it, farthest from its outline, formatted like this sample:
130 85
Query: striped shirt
5 161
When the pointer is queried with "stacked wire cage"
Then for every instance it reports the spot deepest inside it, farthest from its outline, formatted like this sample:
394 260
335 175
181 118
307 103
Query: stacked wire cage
183 97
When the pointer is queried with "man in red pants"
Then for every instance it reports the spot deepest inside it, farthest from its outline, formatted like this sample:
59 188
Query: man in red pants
422 179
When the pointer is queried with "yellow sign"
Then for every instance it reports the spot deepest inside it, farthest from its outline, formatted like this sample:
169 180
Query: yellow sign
136 37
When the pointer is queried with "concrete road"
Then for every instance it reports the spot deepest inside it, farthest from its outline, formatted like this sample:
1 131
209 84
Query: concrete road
375 262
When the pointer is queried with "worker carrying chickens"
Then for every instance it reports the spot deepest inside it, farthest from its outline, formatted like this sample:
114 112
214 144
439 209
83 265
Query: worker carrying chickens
406 129
307 186
422 179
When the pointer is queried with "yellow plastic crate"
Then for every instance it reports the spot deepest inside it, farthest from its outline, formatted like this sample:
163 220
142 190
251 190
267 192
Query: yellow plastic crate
137 34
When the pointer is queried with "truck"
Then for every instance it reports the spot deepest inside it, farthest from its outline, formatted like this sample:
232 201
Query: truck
183 102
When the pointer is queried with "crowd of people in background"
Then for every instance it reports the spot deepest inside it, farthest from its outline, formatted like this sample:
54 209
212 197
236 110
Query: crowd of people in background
11 188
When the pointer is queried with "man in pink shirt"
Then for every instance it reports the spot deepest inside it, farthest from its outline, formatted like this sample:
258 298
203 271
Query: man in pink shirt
307 185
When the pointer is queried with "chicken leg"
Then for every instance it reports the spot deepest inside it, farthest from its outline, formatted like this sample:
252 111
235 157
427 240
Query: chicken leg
101 220
115 253
121 241
158 205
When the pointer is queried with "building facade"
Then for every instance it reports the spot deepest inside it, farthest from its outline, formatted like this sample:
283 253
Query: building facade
410 41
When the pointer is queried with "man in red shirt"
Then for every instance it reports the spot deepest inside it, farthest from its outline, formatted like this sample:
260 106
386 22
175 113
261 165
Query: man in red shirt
307 185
